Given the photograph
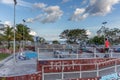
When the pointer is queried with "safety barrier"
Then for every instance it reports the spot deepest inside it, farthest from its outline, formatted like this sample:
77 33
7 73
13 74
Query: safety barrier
78 68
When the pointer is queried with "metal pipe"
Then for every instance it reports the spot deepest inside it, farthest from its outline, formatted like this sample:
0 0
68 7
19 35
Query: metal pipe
14 30
23 34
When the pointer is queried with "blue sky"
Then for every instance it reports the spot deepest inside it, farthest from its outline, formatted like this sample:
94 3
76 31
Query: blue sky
48 18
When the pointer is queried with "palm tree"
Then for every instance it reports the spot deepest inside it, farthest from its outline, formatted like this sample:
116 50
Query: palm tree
8 35
22 33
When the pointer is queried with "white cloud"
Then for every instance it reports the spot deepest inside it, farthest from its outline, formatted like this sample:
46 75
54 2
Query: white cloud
33 33
24 4
40 5
88 32
29 20
37 18
79 11
95 8
8 23
50 14
101 7
5 24
19 2
6 1
77 14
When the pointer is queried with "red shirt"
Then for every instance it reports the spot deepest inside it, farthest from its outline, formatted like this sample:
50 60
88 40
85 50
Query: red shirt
107 44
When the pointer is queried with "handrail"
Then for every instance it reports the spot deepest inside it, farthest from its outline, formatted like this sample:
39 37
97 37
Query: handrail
96 69
109 60
84 63
52 48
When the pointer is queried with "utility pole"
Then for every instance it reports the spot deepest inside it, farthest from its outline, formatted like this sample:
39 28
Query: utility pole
24 40
15 3
103 29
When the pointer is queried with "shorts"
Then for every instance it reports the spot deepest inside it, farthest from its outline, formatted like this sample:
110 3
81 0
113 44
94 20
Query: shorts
106 49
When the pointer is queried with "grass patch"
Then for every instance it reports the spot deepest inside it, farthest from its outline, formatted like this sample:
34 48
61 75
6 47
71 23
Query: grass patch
3 56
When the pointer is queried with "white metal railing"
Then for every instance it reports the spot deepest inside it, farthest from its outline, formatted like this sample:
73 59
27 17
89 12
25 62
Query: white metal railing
52 49
97 70
65 53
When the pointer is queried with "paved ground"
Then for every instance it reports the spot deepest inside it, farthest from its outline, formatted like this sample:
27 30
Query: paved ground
10 67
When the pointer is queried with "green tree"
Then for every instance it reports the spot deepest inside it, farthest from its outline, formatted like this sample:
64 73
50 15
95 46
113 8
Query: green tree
111 34
8 35
97 40
22 33
1 39
74 35
55 42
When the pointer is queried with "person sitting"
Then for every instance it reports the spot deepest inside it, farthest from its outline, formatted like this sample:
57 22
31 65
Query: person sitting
22 56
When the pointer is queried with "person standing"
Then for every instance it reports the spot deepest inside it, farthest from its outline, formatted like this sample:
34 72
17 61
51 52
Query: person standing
107 46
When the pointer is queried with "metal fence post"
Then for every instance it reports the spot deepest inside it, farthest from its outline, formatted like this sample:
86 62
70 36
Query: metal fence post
94 52
77 53
115 66
42 72
111 53
97 69
62 72
80 71
38 53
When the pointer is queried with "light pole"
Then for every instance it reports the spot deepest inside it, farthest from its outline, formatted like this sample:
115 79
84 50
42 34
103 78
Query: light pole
23 32
15 2
103 30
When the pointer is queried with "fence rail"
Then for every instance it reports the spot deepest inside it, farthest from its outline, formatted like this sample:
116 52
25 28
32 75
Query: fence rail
89 70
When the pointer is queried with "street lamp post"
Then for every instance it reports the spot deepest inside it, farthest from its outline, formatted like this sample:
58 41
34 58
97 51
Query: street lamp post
103 29
23 32
15 2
